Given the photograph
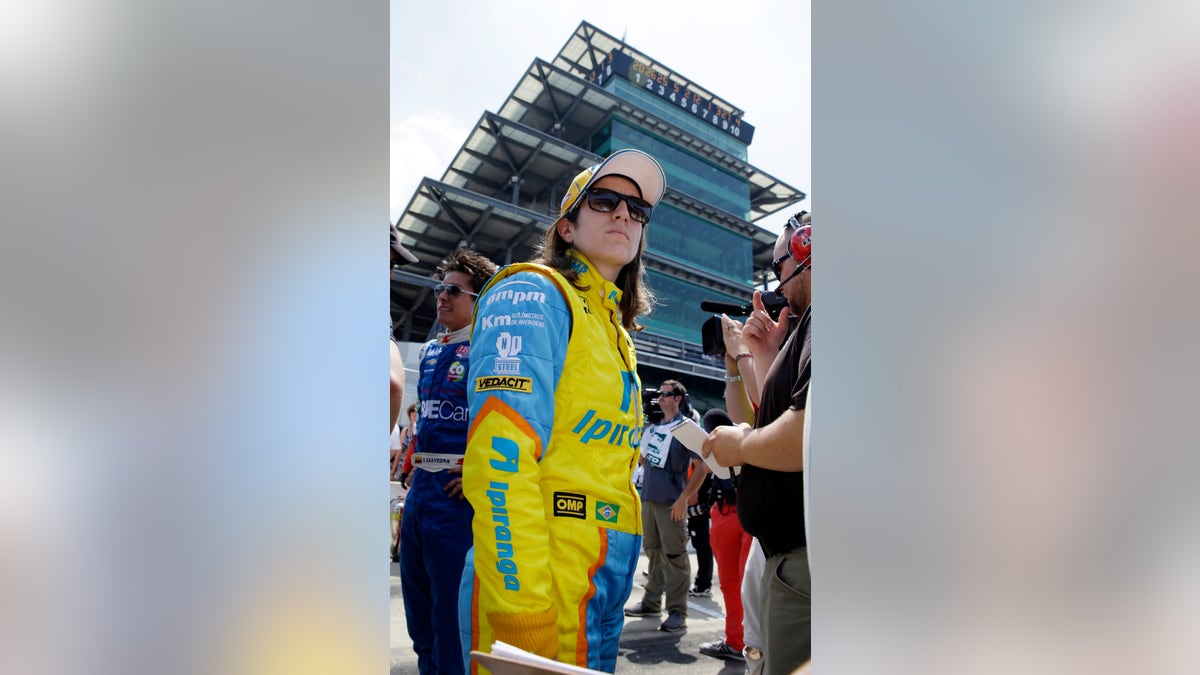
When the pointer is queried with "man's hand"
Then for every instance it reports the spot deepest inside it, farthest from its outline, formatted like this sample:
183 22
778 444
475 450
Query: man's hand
405 480
725 444
731 332
762 335
454 487
679 509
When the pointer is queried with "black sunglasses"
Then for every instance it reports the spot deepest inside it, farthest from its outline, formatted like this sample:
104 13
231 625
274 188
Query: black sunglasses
669 393
777 266
604 200
452 289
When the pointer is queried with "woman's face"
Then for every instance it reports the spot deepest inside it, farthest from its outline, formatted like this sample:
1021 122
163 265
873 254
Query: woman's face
609 240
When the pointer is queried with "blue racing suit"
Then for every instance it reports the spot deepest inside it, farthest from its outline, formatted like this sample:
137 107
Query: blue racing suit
555 426
435 532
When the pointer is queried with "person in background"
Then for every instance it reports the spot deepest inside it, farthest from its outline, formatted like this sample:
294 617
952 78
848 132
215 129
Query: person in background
665 494
731 546
698 533
770 492
399 256
741 399
404 442
435 532
555 425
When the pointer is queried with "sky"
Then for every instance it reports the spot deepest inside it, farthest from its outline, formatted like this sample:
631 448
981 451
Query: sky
452 59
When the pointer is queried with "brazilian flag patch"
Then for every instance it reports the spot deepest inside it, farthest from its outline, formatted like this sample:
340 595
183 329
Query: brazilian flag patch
607 512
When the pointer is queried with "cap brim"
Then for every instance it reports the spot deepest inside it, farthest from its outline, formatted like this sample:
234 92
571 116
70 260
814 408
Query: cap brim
638 167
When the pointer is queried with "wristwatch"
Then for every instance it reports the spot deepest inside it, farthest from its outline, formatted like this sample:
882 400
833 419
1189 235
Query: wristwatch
752 653
733 378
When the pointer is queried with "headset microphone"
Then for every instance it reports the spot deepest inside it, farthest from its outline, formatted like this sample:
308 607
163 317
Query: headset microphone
799 270
799 248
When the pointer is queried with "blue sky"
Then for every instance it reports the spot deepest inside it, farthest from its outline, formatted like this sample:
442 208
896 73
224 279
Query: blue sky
451 60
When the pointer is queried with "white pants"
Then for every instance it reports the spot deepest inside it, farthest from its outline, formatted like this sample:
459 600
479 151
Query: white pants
752 595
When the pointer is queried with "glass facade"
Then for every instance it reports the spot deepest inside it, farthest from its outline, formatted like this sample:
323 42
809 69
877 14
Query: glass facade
676 234
702 244
697 127
679 315
685 172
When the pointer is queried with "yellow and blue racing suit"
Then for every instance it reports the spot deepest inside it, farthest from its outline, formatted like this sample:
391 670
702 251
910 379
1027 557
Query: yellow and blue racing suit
555 427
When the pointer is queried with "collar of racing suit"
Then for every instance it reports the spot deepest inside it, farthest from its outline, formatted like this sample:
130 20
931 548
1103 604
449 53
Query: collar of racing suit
454 336
608 291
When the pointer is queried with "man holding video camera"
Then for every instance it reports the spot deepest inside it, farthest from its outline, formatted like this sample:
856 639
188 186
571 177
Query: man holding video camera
770 493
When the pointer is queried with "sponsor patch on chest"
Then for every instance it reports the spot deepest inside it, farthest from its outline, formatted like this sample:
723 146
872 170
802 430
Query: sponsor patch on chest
570 505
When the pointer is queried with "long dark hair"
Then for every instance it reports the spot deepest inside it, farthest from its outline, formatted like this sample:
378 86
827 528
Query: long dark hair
636 297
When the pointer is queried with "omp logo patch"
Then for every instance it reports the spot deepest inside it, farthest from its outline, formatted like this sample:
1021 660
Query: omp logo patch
607 512
491 383
570 505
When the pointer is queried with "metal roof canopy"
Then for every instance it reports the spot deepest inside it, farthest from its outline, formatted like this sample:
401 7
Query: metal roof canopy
513 162
558 102
440 218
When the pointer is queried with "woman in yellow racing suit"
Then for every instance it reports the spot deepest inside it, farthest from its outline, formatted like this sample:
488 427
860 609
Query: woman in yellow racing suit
555 406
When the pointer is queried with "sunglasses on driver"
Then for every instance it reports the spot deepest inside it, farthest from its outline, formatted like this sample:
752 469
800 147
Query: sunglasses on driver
453 289
604 200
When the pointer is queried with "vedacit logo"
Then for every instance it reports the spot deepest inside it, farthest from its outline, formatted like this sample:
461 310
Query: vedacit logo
495 383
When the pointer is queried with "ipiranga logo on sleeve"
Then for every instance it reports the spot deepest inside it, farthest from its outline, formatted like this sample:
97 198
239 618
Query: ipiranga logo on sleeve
523 385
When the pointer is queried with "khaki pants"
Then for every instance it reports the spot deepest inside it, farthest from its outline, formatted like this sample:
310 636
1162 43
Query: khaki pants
787 612
665 542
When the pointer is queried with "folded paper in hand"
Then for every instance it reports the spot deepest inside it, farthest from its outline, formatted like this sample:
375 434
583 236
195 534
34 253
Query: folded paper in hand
506 659
692 436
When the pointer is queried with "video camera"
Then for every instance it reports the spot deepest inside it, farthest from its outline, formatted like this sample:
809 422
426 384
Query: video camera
712 338
650 407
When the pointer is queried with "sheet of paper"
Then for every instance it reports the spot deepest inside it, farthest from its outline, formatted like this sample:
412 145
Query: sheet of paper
692 436
506 659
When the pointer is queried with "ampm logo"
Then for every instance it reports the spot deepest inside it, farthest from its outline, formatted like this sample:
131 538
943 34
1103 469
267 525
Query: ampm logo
517 297
570 505
493 383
